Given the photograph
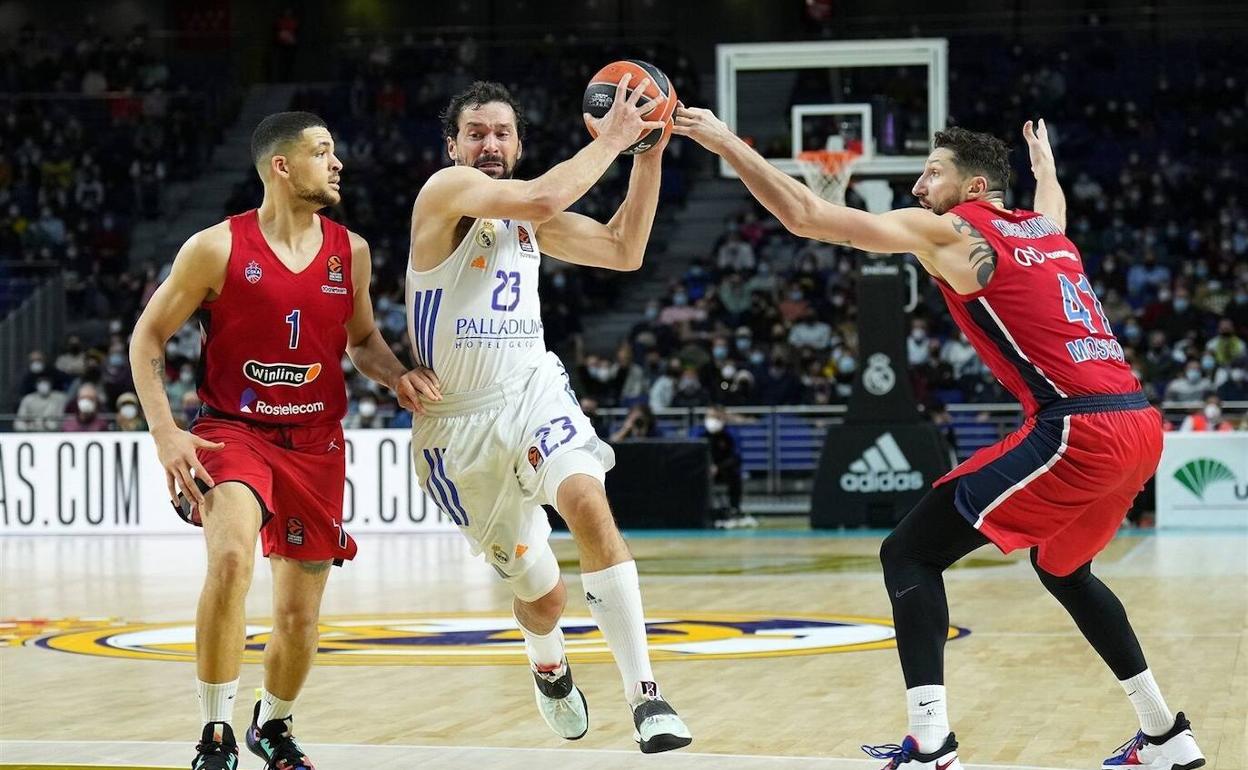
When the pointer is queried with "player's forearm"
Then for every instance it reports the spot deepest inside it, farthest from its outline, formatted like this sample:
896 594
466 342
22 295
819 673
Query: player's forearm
634 219
147 367
785 197
567 182
1050 200
374 359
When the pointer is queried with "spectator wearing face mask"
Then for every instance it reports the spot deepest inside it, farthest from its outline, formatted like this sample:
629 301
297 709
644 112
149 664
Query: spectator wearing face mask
1236 386
736 384
649 334
88 417
1183 316
810 332
917 350
73 360
596 374
561 316
42 409
129 416
1237 310
794 305
37 367
185 383
778 385
663 390
764 280
1192 385
689 390
1227 347
115 374
190 409
366 414
696 281
680 311
734 296
725 458
1207 419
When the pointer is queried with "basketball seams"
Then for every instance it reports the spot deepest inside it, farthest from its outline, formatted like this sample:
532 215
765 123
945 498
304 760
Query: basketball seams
657 101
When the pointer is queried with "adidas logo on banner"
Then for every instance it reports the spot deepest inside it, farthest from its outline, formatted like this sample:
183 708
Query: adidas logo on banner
882 468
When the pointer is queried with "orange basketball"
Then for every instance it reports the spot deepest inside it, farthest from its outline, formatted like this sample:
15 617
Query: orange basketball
658 101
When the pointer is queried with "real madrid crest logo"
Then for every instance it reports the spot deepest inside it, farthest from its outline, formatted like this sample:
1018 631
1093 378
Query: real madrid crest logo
485 236
252 272
879 377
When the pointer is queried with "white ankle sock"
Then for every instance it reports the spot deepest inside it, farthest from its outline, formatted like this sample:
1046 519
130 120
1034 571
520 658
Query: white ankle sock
216 701
614 599
272 707
929 716
544 650
1155 717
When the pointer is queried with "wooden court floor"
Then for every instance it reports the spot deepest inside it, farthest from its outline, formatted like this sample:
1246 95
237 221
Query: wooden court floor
774 646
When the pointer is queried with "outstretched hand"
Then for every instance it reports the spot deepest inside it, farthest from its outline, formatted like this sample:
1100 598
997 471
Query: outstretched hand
1037 136
701 126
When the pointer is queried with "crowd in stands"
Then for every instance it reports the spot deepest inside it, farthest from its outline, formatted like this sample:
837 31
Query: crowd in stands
1148 150
1146 153
92 127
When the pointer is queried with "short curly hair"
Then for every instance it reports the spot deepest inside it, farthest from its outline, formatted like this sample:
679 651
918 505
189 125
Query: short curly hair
977 154
477 94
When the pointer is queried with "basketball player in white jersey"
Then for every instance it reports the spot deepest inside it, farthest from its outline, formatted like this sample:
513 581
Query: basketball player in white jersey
508 434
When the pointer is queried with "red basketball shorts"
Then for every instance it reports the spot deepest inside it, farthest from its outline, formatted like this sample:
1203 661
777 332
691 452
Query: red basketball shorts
1064 481
296 472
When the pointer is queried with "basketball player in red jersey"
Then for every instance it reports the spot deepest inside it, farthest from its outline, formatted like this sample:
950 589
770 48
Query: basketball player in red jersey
282 293
1062 484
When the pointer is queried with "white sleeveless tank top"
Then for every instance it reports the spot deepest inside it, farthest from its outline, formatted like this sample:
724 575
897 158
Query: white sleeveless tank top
475 319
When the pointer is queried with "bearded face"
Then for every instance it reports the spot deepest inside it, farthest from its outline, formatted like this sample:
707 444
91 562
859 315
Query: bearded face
487 140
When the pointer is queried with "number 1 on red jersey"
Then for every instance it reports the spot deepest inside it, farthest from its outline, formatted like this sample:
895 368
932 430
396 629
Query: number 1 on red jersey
293 320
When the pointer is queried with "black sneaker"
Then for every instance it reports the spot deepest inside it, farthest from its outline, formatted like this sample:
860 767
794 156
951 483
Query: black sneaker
658 728
217 749
273 743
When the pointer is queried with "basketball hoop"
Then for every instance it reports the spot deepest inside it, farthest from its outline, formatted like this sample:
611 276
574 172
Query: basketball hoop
827 172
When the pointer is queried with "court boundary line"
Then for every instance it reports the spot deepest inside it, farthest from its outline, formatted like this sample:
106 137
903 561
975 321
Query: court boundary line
562 750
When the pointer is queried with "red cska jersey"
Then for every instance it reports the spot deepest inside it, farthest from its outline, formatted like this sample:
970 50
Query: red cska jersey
274 339
1038 325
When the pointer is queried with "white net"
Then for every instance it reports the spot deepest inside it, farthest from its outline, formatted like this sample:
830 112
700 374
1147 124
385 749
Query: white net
827 172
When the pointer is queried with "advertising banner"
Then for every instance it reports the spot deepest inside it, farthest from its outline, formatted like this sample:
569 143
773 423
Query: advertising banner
112 483
1203 480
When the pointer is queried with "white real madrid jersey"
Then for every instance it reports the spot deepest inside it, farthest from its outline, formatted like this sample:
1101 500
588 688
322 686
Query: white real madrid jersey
475 319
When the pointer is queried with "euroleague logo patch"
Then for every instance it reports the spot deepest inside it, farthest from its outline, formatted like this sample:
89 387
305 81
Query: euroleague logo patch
473 639
535 457
294 532
335 269
522 235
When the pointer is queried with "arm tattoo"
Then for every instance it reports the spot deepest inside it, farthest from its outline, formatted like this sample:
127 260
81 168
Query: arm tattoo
158 369
982 257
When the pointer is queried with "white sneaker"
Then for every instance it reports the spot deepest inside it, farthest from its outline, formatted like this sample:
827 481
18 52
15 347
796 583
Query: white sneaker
561 702
1176 750
908 757
658 728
